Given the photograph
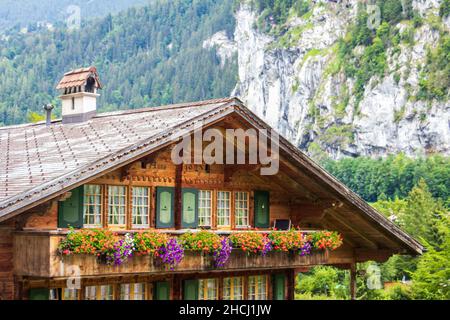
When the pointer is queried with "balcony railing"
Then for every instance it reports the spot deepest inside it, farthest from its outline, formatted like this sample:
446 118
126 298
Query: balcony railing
37 255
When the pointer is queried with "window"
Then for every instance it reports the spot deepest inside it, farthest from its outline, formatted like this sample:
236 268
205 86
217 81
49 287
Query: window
233 288
257 287
241 209
71 294
204 208
223 208
117 200
132 291
207 289
92 210
140 208
54 294
105 292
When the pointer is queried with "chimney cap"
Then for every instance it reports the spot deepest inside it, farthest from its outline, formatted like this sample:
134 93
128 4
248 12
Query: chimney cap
79 77
48 107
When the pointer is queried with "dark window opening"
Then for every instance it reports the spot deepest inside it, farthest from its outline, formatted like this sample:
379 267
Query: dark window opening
90 84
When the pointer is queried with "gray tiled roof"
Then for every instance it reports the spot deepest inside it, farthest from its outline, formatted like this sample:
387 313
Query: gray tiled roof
34 154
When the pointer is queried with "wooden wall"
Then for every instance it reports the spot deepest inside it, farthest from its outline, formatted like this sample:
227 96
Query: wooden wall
6 261
159 170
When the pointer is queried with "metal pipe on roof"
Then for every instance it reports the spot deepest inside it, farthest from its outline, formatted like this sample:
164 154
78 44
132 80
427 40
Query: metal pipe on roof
48 118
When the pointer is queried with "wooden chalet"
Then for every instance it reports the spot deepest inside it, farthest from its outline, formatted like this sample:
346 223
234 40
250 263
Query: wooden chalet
114 171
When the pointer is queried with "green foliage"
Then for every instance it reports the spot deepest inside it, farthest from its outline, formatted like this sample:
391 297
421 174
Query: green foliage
434 79
394 176
274 13
362 52
431 279
147 56
419 214
327 282
444 9
29 12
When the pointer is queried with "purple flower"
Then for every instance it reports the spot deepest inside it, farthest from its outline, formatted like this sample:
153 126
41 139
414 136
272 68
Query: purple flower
267 246
122 250
306 249
222 255
172 253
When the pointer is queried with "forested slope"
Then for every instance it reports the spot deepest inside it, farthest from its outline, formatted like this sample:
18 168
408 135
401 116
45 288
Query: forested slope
146 56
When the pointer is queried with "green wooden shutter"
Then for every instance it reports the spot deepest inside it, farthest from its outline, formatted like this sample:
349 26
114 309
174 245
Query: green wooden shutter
279 281
39 294
70 211
165 198
162 290
190 290
190 208
262 209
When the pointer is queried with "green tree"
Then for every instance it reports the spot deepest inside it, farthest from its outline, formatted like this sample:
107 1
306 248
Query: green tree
431 280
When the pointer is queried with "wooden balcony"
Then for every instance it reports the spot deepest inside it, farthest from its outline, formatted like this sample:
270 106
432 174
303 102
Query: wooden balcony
36 256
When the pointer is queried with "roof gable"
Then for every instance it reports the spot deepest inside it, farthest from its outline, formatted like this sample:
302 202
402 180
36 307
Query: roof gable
39 166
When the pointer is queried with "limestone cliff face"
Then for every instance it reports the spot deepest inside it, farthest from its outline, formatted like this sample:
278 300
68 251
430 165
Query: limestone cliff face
287 81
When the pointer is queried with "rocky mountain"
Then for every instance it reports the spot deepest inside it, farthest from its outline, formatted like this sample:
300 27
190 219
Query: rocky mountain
336 77
328 91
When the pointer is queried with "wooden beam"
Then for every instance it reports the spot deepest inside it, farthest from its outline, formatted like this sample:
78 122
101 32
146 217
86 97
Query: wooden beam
353 281
371 244
178 204
330 226
291 278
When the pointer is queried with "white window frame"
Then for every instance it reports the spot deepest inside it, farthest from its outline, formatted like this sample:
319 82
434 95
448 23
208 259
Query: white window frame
222 207
205 208
141 210
241 209
114 203
96 205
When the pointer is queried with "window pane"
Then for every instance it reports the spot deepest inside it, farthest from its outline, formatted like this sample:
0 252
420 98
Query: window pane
116 205
241 209
233 288
257 287
207 289
223 208
92 206
204 208
140 208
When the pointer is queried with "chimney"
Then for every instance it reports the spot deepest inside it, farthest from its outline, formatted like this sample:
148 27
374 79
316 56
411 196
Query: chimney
79 95
48 117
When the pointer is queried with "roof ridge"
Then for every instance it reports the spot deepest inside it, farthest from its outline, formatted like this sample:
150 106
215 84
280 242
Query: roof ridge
132 111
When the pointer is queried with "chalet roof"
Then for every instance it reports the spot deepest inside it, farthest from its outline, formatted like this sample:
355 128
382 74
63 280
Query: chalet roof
78 77
39 162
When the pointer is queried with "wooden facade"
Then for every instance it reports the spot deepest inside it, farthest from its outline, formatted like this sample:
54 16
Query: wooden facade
299 192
